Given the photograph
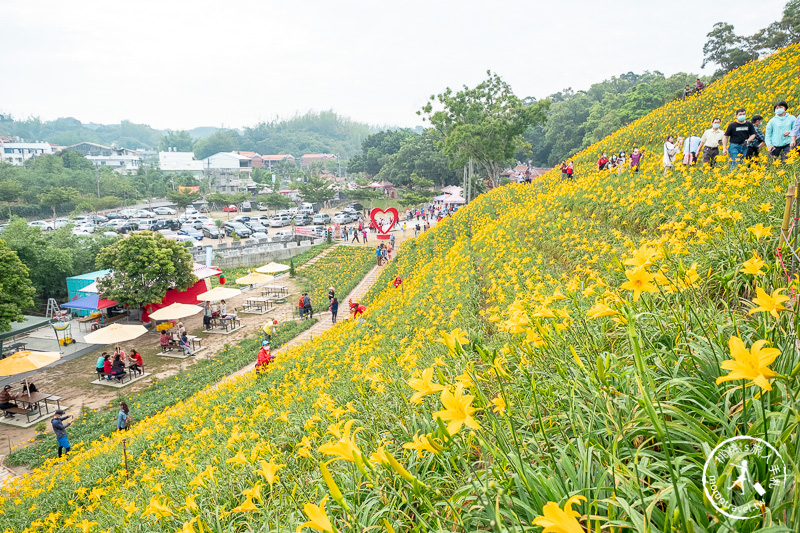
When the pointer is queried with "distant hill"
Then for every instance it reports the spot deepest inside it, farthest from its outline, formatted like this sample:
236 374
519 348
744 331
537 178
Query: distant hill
313 132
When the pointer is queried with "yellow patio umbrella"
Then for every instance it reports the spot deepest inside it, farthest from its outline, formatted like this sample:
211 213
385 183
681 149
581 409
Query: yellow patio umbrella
175 311
253 278
25 361
115 334
272 268
218 293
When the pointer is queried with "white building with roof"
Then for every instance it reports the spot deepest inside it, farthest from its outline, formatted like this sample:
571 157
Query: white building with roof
16 153
180 162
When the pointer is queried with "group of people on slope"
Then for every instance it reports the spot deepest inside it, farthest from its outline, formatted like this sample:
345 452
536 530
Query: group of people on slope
568 170
621 161
115 366
741 140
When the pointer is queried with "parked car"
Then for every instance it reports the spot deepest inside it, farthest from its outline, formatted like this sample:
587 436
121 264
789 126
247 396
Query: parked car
115 216
321 218
264 219
356 207
123 226
241 218
302 219
341 218
191 231
184 238
247 207
168 233
261 206
110 234
167 223
319 231
256 226
41 224
279 221
212 232
84 228
230 208
165 211
61 222
283 235
190 210
146 224
259 235
144 213
241 230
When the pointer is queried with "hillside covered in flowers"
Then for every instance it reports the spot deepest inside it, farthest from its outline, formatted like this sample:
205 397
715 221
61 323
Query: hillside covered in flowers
559 356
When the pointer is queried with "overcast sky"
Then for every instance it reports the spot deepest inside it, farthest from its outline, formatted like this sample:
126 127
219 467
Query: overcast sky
179 64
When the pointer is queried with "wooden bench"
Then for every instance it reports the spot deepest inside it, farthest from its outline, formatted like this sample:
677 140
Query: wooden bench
103 375
110 320
11 411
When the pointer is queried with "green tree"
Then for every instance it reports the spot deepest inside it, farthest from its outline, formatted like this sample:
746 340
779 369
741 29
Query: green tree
180 141
485 124
182 200
726 49
275 200
57 196
10 190
16 290
145 267
418 154
316 190
221 141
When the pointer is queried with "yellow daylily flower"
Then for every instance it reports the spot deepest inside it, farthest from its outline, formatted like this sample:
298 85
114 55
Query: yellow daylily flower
642 257
345 448
423 385
760 231
768 303
557 520
753 266
638 281
454 339
157 509
752 364
269 470
458 410
500 405
422 443
600 309
245 506
317 518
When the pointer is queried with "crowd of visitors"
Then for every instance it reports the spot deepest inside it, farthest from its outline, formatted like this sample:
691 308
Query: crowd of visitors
621 161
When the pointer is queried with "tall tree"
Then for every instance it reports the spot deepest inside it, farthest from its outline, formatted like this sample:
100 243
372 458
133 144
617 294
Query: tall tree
16 290
316 190
179 141
182 200
726 49
58 196
484 123
221 141
145 267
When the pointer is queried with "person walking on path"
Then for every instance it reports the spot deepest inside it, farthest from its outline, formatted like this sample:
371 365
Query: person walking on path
331 294
690 147
355 235
737 135
300 305
391 241
671 148
123 421
334 309
378 253
364 234
779 131
710 143
60 430
307 308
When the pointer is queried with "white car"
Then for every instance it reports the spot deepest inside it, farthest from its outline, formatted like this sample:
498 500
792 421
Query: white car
259 235
110 234
61 222
144 213
164 211
321 218
41 224
341 218
279 221
190 211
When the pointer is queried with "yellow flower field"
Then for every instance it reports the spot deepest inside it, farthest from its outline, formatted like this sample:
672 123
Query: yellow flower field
560 356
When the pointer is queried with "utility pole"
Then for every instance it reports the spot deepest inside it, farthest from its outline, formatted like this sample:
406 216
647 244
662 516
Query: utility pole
97 175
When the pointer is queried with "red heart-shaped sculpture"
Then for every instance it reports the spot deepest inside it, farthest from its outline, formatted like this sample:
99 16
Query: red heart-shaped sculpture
391 211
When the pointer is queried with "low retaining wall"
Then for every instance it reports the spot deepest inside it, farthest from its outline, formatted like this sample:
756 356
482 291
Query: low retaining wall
251 254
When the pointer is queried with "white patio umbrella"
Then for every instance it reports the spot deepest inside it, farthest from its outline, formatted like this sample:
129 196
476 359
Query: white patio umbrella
175 311
272 268
253 278
218 293
115 334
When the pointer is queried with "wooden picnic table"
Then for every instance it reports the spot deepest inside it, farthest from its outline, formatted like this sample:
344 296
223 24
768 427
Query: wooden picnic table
259 302
14 347
33 399
279 291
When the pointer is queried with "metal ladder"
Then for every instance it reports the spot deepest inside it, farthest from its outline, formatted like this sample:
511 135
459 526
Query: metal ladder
53 308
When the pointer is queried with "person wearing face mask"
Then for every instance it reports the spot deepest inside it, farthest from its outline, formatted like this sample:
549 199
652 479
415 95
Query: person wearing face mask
779 131
636 159
737 135
710 143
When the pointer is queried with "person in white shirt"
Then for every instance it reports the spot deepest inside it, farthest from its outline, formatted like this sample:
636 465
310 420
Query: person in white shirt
671 148
690 146
711 141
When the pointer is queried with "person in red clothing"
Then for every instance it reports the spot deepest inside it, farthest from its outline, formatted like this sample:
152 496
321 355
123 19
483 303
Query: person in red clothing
356 308
300 306
136 362
602 162
397 281
265 357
